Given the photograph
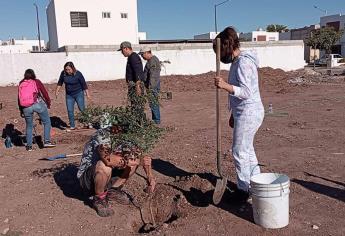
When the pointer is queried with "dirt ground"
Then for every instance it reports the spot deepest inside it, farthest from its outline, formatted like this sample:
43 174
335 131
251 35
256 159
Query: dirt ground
303 138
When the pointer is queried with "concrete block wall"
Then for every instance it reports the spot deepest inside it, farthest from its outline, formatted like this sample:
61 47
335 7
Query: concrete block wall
185 59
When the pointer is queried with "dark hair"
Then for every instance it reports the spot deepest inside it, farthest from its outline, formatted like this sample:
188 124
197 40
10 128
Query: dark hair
228 40
70 64
29 74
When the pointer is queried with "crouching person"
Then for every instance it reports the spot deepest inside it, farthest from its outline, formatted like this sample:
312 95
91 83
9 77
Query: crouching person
103 173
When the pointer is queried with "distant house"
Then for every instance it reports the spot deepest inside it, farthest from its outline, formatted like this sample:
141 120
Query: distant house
90 22
302 34
338 23
20 46
209 35
259 35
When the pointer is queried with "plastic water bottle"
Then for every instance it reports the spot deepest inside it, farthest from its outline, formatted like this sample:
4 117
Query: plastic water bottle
270 108
8 142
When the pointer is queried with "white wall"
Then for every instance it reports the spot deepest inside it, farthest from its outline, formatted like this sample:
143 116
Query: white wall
8 49
142 35
31 42
100 31
184 59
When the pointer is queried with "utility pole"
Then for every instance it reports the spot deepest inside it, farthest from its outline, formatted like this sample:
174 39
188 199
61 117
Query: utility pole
322 10
38 28
215 14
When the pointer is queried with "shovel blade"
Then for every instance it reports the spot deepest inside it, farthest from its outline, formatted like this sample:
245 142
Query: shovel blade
219 190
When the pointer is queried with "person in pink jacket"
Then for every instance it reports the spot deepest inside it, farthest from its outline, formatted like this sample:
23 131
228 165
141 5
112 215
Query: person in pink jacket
33 97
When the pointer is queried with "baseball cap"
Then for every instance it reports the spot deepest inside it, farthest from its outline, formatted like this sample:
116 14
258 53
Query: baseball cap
144 49
125 44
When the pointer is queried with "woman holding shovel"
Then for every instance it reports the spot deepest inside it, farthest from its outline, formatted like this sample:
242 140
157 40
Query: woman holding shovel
75 87
247 111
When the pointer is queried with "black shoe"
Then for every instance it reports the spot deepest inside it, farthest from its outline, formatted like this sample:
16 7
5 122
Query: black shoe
239 196
49 145
29 148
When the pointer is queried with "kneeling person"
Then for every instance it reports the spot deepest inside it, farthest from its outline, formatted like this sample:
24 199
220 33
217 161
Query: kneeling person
103 173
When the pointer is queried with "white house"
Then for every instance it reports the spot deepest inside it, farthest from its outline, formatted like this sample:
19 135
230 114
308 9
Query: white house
338 23
90 22
209 35
20 46
260 35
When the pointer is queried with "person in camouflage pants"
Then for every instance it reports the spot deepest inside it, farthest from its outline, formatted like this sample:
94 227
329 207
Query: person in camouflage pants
103 177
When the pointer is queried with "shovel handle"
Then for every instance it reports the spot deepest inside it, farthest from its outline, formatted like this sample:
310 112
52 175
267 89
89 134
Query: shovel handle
219 147
74 155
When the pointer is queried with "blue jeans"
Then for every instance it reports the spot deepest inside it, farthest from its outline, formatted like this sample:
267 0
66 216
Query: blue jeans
70 101
41 109
156 115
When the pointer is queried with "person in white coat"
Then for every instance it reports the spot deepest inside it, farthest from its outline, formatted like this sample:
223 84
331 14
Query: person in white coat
245 105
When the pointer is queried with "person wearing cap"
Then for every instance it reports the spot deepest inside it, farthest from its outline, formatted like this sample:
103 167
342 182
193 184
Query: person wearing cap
102 173
152 72
134 72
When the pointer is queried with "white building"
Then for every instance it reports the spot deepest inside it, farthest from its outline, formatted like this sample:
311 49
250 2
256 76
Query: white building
338 23
209 35
260 35
20 46
142 36
90 22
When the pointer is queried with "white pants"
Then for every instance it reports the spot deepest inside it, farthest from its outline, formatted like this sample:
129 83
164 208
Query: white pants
247 120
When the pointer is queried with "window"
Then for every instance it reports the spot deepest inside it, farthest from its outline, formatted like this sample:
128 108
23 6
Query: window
124 15
35 48
79 19
106 15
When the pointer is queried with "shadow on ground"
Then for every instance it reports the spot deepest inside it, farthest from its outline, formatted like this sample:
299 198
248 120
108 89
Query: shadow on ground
65 176
15 135
333 192
197 197
57 122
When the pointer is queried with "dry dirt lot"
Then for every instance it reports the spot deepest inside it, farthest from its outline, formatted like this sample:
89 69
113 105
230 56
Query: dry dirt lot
304 138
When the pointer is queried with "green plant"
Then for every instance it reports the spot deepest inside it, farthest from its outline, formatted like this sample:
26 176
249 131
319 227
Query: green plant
324 38
277 28
135 128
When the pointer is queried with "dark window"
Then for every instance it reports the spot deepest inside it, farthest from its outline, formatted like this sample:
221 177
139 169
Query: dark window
105 14
335 25
79 19
124 15
261 37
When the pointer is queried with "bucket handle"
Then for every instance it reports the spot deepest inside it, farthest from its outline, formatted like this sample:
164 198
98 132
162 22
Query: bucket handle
281 186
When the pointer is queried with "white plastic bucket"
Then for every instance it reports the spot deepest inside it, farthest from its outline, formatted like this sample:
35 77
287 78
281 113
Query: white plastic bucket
270 194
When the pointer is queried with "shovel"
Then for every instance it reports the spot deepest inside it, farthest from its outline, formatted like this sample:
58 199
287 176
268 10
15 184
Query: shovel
222 181
60 156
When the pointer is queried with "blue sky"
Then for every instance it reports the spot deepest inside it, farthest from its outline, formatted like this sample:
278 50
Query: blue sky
172 19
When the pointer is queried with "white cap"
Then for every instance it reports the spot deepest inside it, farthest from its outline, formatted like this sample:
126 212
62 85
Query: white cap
145 49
